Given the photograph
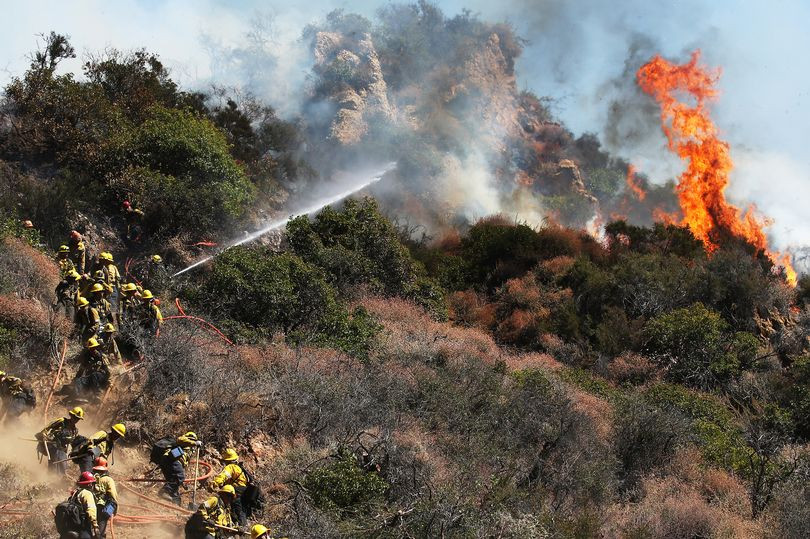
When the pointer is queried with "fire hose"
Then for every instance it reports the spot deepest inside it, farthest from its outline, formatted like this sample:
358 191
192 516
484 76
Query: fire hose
11 510
205 323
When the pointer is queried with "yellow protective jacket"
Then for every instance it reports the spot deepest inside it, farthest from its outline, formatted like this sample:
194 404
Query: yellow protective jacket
101 441
112 277
127 307
186 444
88 318
214 511
87 500
65 267
59 432
105 489
77 255
103 307
11 386
111 352
232 475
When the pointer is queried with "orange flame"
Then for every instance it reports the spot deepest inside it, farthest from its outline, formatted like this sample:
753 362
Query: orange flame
693 136
631 183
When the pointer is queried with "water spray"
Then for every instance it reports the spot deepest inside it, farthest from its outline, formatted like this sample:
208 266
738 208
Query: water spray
314 207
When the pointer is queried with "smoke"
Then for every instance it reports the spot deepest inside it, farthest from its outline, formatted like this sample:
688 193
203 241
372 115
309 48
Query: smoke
581 53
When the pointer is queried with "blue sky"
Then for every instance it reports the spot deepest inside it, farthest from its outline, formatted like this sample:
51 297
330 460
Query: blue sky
575 48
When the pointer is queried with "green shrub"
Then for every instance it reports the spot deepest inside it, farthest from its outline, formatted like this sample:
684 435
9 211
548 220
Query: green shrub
177 166
342 485
715 427
265 293
358 247
799 396
696 347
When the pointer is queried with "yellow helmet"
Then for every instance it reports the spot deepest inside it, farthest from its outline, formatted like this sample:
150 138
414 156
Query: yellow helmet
120 429
106 256
147 294
109 328
2 374
98 287
228 489
77 412
75 275
257 531
190 435
64 249
128 287
82 302
91 343
230 455
156 259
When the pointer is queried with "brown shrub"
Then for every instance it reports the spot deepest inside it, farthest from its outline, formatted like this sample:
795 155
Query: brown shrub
630 368
534 360
411 334
556 267
694 501
26 271
599 411
465 308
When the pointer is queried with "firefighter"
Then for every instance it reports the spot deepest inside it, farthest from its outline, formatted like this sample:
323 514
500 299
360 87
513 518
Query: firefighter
64 261
87 318
78 253
154 273
98 300
106 495
109 347
84 497
99 445
57 436
134 218
94 372
128 303
104 442
16 397
172 463
66 292
112 278
151 318
235 475
213 517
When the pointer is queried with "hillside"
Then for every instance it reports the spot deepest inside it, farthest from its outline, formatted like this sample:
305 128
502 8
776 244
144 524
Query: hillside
414 361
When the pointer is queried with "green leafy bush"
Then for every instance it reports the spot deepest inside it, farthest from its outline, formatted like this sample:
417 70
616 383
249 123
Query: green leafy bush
718 432
264 293
342 485
696 346
358 247
177 166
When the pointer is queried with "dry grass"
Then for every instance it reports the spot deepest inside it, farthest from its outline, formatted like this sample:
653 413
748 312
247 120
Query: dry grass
694 501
